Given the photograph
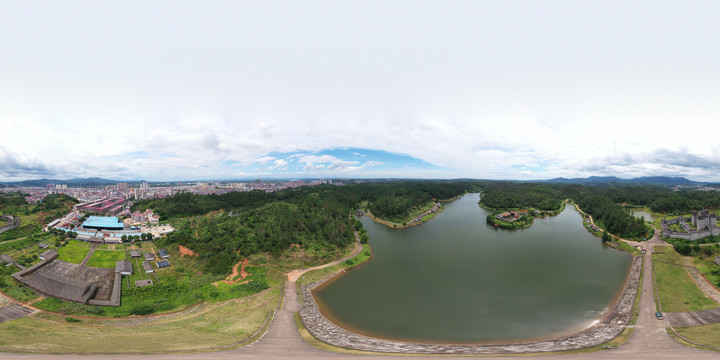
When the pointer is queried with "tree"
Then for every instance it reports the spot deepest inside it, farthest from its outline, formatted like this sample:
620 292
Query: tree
707 251
124 238
142 236
605 236
682 248
149 236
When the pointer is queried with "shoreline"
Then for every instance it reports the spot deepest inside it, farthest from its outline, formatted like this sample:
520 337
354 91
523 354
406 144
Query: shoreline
412 221
501 224
607 328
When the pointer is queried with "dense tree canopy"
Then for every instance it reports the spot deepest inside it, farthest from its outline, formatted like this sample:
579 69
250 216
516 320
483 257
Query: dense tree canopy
315 218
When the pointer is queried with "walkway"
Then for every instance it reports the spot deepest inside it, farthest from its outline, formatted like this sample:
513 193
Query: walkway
649 339
282 341
282 338
14 311
89 255
703 284
694 318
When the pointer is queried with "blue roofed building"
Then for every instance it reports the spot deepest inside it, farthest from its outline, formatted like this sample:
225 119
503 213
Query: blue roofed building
103 223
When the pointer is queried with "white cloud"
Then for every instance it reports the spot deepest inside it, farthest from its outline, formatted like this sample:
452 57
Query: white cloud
515 104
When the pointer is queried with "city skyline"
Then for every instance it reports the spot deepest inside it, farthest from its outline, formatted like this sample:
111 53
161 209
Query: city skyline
178 91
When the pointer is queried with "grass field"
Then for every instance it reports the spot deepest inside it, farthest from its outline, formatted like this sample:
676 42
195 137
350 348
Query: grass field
105 258
707 334
677 291
706 264
73 252
177 287
317 275
226 324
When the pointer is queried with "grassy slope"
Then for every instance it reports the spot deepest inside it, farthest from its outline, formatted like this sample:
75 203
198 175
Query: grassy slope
707 334
317 275
397 221
225 325
677 291
105 258
73 252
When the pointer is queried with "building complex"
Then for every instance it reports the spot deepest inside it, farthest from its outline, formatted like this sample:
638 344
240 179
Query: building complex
700 225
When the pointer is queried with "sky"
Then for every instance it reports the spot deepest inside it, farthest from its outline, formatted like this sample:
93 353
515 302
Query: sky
180 90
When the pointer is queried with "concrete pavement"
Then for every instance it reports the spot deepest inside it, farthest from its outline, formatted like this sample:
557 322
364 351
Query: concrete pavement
282 341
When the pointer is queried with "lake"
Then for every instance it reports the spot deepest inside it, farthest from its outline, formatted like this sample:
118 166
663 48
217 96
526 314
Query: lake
640 213
458 279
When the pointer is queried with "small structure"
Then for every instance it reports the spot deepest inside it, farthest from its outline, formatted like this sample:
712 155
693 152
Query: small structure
124 267
9 261
359 213
149 256
43 245
147 267
717 260
48 255
143 283
162 264
134 253
164 254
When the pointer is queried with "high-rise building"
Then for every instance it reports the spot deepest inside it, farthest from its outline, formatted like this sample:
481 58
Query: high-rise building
121 185
144 185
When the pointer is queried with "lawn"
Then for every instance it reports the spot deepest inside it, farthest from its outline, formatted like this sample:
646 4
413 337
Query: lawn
317 275
706 334
181 285
73 252
12 287
669 255
226 324
677 291
106 258
706 264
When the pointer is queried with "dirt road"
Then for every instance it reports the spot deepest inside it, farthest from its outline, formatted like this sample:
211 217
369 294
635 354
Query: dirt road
282 341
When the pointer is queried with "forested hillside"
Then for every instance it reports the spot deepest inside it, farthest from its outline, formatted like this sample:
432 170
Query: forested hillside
317 218
11 202
511 195
598 201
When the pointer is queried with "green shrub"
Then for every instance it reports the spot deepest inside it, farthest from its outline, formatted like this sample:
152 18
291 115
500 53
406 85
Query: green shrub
142 309
72 320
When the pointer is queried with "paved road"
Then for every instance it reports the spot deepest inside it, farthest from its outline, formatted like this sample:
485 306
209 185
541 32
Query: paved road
282 341
14 311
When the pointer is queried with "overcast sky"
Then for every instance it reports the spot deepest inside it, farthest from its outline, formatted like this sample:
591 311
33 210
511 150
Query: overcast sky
442 89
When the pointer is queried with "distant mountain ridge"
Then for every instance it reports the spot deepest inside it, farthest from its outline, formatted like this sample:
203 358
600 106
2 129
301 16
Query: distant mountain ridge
71 182
592 180
650 180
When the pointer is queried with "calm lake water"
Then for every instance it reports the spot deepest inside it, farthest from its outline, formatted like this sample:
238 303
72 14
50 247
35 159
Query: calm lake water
457 279
639 213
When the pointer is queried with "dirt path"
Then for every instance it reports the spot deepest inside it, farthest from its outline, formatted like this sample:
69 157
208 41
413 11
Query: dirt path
282 341
89 255
243 274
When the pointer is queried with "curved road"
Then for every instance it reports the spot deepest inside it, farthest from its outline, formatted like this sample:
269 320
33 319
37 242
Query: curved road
282 340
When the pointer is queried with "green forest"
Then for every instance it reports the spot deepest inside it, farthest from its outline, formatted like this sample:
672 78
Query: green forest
317 219
599 201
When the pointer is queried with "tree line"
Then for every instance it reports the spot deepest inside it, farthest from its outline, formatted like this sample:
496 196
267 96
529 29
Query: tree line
317 218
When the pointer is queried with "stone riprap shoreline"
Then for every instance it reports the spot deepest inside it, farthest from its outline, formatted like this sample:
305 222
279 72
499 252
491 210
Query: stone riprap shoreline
605 330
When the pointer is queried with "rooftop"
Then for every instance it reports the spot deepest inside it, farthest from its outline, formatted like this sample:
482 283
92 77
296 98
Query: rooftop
103 222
